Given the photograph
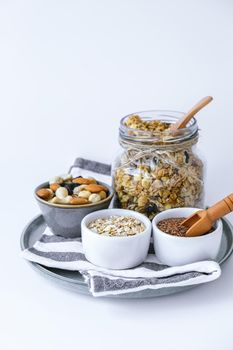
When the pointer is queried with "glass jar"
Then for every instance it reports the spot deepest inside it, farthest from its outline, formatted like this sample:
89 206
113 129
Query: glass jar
156 171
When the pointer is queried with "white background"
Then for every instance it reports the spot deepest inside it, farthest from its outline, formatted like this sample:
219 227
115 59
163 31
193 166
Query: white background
69 70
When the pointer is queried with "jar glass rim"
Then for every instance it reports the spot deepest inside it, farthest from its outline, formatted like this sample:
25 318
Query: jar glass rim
167 116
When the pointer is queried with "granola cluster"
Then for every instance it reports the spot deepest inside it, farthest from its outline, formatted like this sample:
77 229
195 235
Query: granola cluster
117 226
152 179
153 126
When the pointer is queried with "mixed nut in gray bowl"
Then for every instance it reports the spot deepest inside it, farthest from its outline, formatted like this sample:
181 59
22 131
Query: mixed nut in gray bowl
64 201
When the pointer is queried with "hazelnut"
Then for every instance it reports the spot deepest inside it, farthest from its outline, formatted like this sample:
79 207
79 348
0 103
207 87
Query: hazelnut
102 194
56 180
94 198
66 177
55 200
84 194
61 192
66 200
78 189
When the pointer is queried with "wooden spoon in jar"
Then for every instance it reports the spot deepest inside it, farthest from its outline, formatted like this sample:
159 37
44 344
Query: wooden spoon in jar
188 116
202 221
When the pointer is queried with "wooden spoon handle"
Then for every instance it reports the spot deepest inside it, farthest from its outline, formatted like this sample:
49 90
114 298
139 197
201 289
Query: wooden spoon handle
188 116
225 206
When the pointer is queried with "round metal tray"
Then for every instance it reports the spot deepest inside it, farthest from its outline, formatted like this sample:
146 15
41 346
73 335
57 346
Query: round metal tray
74 281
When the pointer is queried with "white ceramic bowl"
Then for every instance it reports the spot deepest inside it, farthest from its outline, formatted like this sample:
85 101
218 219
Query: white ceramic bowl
174 250
115 252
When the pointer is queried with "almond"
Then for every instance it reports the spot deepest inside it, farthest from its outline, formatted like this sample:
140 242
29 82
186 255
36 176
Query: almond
82 181
54 187
78 201
62 192
45 193
92 180
96 188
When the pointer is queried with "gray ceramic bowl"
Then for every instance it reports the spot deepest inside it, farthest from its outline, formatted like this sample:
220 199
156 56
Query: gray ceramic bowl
65 220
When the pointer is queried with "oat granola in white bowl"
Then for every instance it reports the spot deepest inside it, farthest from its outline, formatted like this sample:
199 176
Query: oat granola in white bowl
116 238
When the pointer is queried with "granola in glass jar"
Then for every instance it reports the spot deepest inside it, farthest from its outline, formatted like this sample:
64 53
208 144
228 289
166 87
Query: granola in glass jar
157 170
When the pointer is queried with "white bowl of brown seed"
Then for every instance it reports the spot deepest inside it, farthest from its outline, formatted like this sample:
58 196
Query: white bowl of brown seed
116 238
173 247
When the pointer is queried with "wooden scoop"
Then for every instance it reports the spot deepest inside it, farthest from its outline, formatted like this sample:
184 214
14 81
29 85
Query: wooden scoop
188 116
201 222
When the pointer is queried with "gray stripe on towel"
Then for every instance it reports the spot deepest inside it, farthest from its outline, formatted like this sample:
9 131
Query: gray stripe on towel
104 284
57 239
59 256
153 266
92 165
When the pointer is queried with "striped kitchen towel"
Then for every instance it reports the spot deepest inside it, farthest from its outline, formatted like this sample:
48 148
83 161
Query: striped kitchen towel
67 254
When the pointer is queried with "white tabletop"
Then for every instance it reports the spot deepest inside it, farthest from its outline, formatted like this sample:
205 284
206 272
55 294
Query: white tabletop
69 70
